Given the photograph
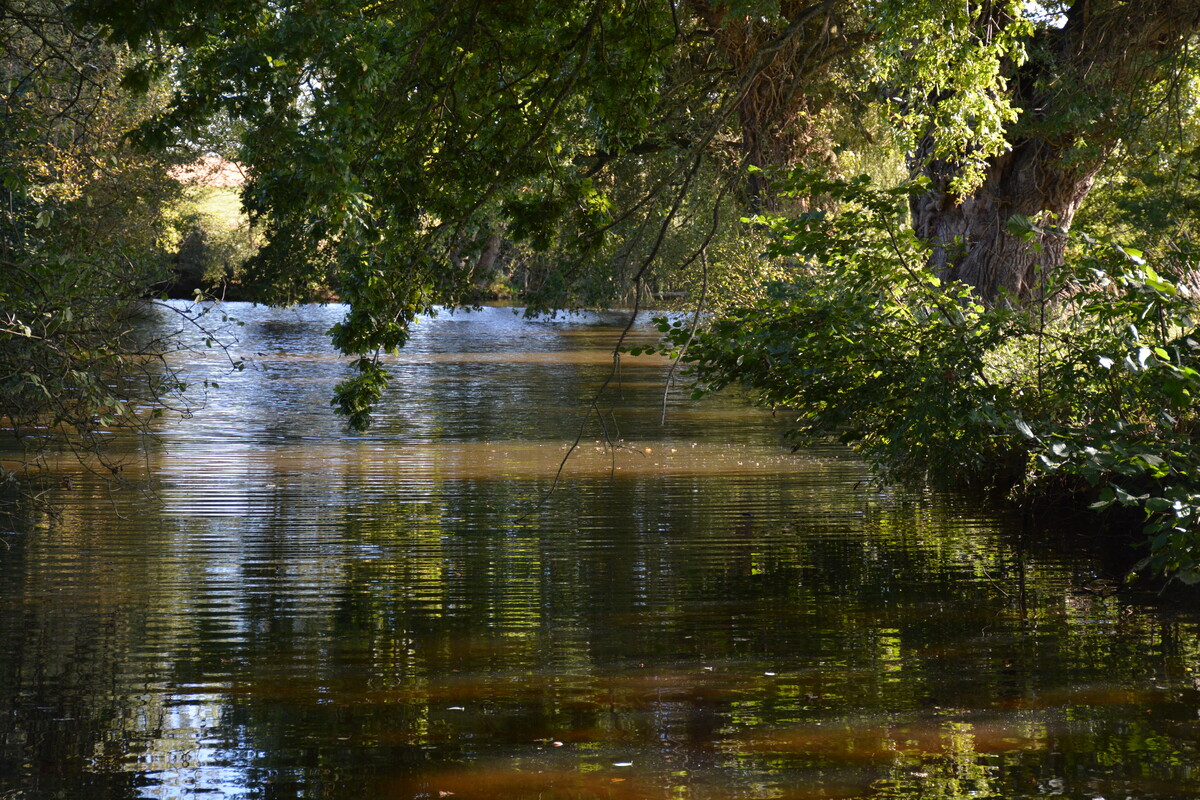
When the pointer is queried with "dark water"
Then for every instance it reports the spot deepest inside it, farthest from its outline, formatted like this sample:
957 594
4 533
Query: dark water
275 609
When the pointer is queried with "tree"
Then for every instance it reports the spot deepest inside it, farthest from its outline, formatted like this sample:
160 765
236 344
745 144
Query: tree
388 146
1095 71
783 94
82 235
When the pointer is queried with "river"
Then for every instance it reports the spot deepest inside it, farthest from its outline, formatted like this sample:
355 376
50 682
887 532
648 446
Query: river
270 607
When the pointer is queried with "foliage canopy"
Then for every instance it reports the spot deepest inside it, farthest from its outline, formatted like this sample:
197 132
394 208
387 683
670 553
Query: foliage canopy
82 234
388 145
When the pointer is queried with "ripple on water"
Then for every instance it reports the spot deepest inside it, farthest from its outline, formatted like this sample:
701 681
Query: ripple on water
292 610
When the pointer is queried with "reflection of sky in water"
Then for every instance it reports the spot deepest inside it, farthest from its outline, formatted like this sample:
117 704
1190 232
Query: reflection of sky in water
462 376
182 760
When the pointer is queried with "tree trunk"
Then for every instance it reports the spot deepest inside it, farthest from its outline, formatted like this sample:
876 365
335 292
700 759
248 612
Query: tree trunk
785 92
1088 85
971 238
484 271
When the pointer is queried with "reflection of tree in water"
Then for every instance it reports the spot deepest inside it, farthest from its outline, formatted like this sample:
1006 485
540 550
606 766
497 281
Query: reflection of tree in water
604 643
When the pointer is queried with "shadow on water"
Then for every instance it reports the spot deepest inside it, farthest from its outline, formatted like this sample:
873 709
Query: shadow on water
294 611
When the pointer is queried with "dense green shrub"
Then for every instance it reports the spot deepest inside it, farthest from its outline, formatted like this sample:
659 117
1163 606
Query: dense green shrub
1086 393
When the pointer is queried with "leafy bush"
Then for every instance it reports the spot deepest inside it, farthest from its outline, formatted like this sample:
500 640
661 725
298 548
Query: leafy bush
1088 393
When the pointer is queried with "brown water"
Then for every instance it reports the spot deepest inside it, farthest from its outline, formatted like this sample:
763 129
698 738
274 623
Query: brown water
277 609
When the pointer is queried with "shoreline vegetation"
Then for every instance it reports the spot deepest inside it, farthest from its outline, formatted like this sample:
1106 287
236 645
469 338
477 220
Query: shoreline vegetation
1084 399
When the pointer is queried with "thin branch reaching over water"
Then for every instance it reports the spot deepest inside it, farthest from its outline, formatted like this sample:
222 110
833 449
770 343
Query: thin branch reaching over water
691 335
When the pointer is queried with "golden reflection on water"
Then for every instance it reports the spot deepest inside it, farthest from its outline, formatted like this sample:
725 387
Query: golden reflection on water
501 783
449 460
265 361
565 357
462 460
874 741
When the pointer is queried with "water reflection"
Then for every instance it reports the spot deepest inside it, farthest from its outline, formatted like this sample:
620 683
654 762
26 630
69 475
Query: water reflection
297 612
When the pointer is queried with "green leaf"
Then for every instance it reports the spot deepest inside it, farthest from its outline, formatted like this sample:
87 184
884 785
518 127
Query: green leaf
1132 253
1189 576
1158 504
1022 227
1127 499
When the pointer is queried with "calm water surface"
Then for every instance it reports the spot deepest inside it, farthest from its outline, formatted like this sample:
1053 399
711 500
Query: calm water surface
276 609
